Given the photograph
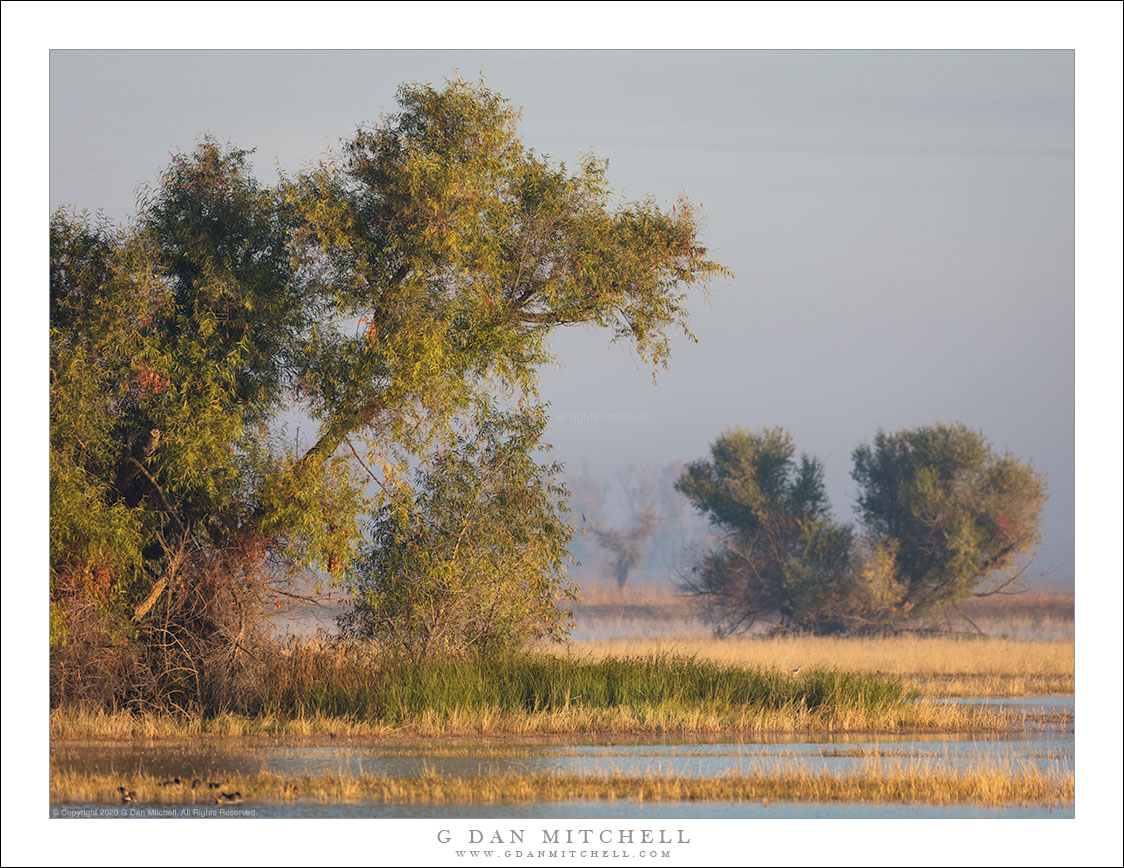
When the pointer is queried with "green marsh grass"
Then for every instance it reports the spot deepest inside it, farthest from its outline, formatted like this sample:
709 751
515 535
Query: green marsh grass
314 689
544 684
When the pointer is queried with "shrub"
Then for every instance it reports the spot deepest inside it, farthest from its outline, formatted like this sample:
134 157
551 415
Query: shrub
473 559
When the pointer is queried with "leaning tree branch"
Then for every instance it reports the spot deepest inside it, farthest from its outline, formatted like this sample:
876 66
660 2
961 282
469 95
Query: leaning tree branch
167 577
966 618
1008 582
337 433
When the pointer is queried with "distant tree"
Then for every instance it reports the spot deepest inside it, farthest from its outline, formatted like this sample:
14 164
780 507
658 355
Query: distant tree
635 523
784 559
472 559
949 515
621 517
624 546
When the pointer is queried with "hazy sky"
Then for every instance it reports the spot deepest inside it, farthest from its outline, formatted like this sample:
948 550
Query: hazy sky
900 224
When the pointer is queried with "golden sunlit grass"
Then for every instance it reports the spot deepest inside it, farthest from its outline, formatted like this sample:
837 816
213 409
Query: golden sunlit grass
606 610
933 666
74 724
989 784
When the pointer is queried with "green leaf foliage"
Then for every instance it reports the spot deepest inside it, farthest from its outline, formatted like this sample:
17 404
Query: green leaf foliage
960 517
784 559
473 558
448 251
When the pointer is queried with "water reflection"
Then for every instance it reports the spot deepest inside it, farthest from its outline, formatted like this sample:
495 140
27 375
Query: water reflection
660 758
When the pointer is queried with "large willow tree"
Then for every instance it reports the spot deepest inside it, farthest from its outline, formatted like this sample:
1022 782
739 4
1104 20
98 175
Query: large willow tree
390 293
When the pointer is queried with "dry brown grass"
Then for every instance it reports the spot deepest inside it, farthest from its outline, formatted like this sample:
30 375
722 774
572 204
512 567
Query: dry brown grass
934 666
607 594
990 784
77 724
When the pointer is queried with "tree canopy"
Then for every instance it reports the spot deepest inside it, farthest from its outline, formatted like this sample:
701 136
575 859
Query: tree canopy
784 558
388 292
958 517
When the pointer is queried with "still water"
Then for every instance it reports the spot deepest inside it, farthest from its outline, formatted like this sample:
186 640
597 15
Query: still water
1047 743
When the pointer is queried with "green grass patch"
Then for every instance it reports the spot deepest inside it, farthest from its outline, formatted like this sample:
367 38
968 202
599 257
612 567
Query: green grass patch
534 683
